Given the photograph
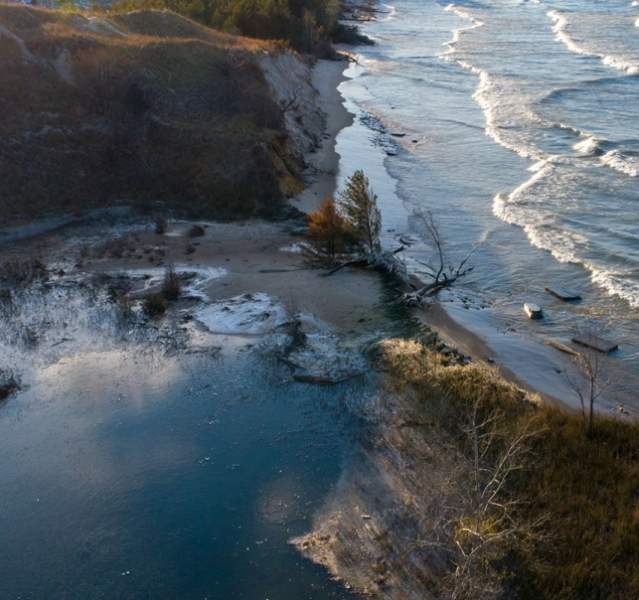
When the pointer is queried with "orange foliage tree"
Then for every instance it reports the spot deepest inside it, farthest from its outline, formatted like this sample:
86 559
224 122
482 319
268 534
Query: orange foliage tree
329 232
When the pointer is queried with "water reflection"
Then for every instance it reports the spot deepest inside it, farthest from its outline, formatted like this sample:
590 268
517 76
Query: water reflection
133 471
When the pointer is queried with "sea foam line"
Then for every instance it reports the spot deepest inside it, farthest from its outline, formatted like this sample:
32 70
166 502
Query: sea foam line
457 33
484 93
391 14
562 244
560 29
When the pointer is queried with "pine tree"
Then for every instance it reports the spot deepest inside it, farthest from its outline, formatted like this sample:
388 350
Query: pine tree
359 203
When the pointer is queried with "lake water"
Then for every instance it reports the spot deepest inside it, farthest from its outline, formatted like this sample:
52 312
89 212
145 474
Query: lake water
521 127
160 462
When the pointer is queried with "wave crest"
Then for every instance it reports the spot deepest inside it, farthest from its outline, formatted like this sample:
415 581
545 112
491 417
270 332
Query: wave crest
561 27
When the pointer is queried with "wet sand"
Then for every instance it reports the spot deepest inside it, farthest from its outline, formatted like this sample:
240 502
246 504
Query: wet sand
324 162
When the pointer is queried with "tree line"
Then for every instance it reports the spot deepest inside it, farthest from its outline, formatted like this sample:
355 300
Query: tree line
307 25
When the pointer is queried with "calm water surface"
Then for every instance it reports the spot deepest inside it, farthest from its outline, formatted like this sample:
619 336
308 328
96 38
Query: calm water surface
128 472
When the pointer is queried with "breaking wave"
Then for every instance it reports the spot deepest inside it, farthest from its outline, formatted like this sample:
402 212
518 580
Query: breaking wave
561 29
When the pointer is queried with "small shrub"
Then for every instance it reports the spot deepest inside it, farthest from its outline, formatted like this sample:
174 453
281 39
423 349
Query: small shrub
161 225
171 286
155 305
196 231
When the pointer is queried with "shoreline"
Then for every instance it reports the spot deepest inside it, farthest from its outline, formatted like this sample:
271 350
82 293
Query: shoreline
323 163
528 362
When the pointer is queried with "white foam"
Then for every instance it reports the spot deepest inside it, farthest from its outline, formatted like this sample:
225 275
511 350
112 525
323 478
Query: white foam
248 314
391 12
615 284
589 146
560 28
487 94
457 33
519 208
621 162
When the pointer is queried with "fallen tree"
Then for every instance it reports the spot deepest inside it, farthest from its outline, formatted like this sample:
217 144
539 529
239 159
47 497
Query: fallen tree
354 228
441 272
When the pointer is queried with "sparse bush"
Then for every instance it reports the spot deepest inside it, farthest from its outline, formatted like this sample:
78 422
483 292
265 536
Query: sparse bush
171 286
197 231
155 305
161 225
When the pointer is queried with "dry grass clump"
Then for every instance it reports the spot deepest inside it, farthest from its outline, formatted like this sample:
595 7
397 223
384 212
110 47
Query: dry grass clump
155 305
578 494
171 286
197 231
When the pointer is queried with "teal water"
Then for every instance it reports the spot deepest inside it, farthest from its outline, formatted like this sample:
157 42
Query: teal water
129 471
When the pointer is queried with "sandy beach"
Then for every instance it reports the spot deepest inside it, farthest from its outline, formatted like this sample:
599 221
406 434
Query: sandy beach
526 361
323 163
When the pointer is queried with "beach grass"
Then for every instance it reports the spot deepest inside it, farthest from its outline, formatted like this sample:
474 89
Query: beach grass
576 495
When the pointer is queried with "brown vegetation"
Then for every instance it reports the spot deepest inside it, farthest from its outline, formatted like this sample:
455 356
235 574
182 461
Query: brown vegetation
571 501
329 234
305 24
141 107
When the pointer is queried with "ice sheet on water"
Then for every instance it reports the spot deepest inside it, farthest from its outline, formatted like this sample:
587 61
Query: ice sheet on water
252 314
153 277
